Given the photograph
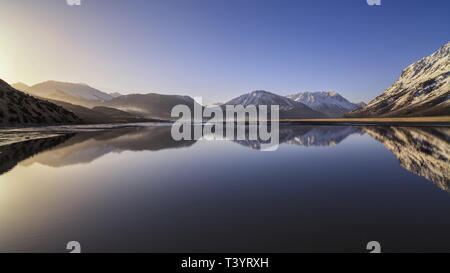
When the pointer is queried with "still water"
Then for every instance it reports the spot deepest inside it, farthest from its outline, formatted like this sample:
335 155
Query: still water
135 189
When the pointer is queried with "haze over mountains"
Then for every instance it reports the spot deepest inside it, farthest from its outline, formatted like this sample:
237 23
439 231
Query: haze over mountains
423 89
152 105
76 93
17 107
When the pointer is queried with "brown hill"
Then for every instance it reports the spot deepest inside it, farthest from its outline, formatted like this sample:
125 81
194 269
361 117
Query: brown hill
18 108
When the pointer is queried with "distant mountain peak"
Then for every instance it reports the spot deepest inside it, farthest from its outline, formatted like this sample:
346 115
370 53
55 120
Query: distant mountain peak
288 108
20 86
77 93
115 94
330 103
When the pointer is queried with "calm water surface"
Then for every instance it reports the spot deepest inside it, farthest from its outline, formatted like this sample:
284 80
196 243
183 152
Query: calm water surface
326 188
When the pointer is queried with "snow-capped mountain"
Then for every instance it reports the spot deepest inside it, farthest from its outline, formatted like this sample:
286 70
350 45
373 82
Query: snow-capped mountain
77 93
288 107
330 103
423 89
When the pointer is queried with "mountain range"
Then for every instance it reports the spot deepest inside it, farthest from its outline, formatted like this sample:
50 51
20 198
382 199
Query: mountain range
288 108
423 89
95 106
75 93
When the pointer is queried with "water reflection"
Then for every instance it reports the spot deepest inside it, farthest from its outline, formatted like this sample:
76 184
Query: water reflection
135 189
85 147
423 151
12 154
308 136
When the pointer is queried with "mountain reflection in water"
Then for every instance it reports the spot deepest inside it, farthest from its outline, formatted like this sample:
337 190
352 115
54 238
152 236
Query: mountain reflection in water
424 151
308 136
135 189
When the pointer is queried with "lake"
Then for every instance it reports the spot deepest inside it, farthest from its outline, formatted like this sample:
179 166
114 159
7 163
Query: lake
135 189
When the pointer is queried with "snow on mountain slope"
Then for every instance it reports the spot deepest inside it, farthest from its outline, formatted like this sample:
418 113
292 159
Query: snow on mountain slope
70 91
330 103
288 107
261 97
423 89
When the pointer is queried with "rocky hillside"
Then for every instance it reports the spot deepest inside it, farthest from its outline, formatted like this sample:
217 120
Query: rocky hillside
330 103
288 107
423 89
18 108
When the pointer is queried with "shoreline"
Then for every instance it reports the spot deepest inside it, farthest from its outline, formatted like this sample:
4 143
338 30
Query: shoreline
412 121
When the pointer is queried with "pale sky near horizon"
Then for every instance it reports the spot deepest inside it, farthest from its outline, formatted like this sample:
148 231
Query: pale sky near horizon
220 49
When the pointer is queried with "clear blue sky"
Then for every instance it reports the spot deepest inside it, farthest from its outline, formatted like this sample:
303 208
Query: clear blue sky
219 49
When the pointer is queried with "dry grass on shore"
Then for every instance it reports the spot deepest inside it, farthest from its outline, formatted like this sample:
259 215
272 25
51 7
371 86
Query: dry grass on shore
440 119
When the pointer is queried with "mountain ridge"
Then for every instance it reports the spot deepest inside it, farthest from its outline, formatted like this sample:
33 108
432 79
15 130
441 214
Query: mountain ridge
423 89
76 93
17 108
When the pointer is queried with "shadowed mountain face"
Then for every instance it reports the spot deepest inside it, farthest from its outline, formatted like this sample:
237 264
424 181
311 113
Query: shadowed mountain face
17 107
423 151
151 106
